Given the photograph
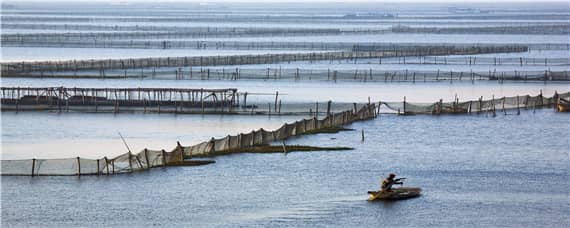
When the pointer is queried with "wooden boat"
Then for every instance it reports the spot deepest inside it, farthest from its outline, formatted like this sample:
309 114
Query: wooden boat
191 162
395 194
563 105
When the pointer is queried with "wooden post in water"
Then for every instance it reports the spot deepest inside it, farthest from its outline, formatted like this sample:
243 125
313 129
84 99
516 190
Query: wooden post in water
179 146
163 157
503 105
202 99
107 164
78 167
146 158
362 135
437 76
33 166
480 104
493 102
329 107
317 109
404 105
245 99
276 97
518 106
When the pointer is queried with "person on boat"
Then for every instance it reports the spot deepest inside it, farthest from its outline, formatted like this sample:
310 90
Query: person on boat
389 182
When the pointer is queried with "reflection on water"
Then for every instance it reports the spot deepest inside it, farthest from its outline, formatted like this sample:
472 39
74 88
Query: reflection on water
90 135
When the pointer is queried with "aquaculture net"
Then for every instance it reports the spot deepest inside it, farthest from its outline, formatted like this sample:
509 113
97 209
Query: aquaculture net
146 159
502 104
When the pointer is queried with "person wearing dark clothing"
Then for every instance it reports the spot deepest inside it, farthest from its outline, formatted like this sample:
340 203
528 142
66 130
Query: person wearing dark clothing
390 181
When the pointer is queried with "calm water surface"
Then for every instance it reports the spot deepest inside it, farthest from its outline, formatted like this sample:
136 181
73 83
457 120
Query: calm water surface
317 90
476 171
28 135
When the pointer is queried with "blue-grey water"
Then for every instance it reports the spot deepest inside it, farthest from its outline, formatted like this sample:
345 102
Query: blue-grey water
96 135
262 91
475 171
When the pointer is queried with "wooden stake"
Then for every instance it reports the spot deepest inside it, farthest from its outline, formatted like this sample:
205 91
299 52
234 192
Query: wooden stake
163 158
33 166
78 167
107 164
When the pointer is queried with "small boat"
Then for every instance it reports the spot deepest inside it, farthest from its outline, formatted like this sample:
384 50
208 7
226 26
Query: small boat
562 105
395 194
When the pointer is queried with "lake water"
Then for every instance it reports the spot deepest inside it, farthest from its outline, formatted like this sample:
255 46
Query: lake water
17 54
316 90
474 170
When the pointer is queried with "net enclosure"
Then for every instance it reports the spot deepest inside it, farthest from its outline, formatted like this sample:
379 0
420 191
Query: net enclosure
502 104
147 159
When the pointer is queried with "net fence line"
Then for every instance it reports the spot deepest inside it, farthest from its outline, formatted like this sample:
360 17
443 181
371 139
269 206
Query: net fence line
473 60
196 29
361 46
147 159
225 17
492 105
554 29
174 34
14 68
204 31
258 45
159 100
119 99
20 18
357 74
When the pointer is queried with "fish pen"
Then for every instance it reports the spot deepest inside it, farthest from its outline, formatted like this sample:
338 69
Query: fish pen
147 159
119 99
222 17
204 30
176 34
160 100
23 68
471 61
12 40
481 106
370 46
552 29
273 73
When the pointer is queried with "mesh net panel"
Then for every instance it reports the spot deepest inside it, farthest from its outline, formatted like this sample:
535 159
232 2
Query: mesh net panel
146 159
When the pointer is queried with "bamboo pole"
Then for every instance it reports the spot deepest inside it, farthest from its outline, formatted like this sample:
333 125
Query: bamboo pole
107 164
33 166
78 167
